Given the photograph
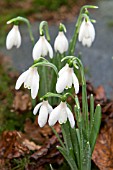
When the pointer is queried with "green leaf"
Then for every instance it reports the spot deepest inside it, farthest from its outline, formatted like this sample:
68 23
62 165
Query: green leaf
95 127
57 135
91 112
86 163
76 145
85 109
68 158
66 135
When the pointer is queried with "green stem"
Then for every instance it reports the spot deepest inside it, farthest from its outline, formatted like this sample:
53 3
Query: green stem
43 25
77 27
72 44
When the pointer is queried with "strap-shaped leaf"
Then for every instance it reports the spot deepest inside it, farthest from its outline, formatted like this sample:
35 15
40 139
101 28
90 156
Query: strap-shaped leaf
76 145
86 163
66 135
91 112
68 158
95 127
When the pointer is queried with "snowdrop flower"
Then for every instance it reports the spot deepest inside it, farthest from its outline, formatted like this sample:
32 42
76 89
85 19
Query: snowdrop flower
86 33
60 114
61 43
30 78
13 38
45 110
42 48
66 78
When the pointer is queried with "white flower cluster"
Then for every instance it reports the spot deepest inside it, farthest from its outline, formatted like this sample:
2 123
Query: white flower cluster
66 78
30 78
42 47
60 114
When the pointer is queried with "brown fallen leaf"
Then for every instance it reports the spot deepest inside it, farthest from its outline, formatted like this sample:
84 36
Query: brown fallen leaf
30 145
11 145
4 165
37 134
48 153
100 93
22 102
103 152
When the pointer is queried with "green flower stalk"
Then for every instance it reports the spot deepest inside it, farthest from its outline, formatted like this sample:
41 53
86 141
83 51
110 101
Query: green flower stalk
83 14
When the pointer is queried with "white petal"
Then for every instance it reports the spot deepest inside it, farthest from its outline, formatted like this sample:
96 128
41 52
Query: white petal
36 108
87 42
50 109
13 38
91 31
63 116
62 82
56 44
81 31
10 39
50 50
70 80
17 41
76 83
61 43
63 69
54 115
37 50
21 79
43 115
35 84
28 81
44 46
70 117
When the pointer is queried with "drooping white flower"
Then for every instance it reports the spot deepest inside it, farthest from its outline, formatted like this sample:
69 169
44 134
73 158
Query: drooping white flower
60 114
61 43
30 78
13 38
45 110
66 78
42 48
86 33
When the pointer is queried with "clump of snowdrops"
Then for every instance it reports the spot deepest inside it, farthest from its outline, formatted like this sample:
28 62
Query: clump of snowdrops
79 127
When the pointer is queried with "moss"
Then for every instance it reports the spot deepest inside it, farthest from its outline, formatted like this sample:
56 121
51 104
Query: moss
9 120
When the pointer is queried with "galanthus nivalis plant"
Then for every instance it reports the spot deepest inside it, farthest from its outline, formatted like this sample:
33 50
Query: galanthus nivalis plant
66 78
13 38
44 110
60 114
79 125
42 48
30 78
61 42
86 33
